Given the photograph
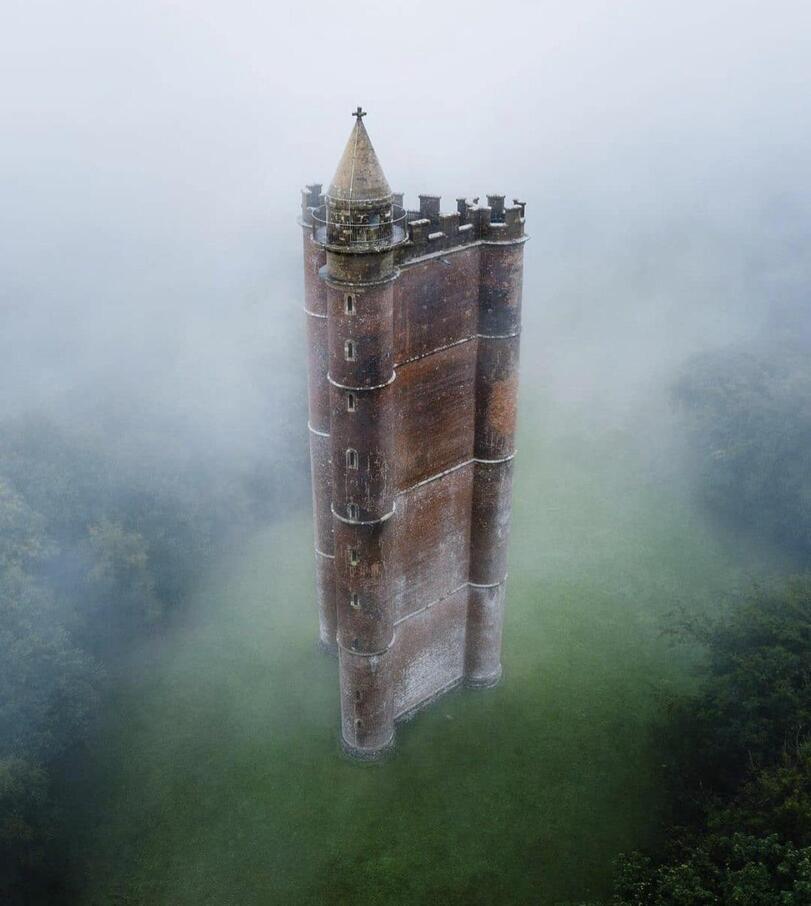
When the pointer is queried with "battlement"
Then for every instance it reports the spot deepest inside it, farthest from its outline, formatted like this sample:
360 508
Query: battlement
427 229
311 198
431 230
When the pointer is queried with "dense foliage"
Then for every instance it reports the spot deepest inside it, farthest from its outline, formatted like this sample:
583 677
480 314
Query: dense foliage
737 754
98 547
748 432
739 766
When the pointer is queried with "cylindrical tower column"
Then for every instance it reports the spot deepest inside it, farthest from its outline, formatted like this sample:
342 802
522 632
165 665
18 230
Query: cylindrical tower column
494 449
315 310
361 376
359 226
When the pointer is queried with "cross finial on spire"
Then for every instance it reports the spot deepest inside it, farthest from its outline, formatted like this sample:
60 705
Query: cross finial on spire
360 112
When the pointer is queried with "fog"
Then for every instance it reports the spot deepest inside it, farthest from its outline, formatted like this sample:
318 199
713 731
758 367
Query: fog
154 154
151 291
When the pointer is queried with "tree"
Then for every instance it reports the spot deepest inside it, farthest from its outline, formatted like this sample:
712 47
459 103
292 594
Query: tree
48 692
739 756
748 429
120 584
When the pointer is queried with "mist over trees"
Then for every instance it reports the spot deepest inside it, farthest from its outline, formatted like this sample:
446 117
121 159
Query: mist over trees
737 760
152 378
98 551
747 416
737 753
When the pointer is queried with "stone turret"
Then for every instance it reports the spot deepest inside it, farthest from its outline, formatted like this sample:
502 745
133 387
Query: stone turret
360 276
359 201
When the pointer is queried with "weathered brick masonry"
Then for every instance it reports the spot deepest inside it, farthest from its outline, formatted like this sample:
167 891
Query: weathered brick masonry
413 323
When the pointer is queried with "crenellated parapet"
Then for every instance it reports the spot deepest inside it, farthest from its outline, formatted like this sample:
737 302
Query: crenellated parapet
422 231
430 230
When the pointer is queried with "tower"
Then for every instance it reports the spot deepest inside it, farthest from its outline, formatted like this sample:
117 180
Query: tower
413 321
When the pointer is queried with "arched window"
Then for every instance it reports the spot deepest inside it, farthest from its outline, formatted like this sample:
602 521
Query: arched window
351 458
349 304
351 402
352 510
349 350
354 600
354 556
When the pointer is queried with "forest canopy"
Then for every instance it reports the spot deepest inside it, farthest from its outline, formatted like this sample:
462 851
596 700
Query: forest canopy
97 550
737 753
747 418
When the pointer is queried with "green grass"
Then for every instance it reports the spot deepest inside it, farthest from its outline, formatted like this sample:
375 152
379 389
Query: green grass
216 776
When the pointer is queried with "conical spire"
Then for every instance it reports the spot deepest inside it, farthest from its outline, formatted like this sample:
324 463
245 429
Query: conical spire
359 176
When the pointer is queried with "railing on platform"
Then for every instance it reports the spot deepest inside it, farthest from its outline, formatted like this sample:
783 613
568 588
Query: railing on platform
373 231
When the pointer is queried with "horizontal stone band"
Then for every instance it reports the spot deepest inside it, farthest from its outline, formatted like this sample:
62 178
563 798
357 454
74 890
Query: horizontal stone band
346 521
496 461
429 606
487 584
372 387
354 651
459 465
422 355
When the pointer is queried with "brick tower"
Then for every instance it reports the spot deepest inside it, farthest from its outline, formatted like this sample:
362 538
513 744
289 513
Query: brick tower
413 327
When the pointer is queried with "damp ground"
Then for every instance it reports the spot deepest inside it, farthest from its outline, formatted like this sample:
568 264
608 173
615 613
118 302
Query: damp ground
216 775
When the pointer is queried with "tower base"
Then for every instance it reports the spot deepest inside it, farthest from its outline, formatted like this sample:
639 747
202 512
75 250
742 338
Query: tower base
368 756
484 682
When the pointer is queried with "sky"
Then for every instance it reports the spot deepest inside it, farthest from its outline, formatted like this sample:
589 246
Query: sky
154 152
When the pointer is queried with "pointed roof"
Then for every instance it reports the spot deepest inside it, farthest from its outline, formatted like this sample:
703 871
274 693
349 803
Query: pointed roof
359 176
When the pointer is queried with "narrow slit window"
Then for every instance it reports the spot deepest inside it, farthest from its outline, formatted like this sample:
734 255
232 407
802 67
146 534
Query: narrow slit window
354 600
349 350
351 402
354 556
352 510
351 459
349 304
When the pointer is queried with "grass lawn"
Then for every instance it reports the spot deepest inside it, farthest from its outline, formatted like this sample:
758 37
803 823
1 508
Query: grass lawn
216 776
